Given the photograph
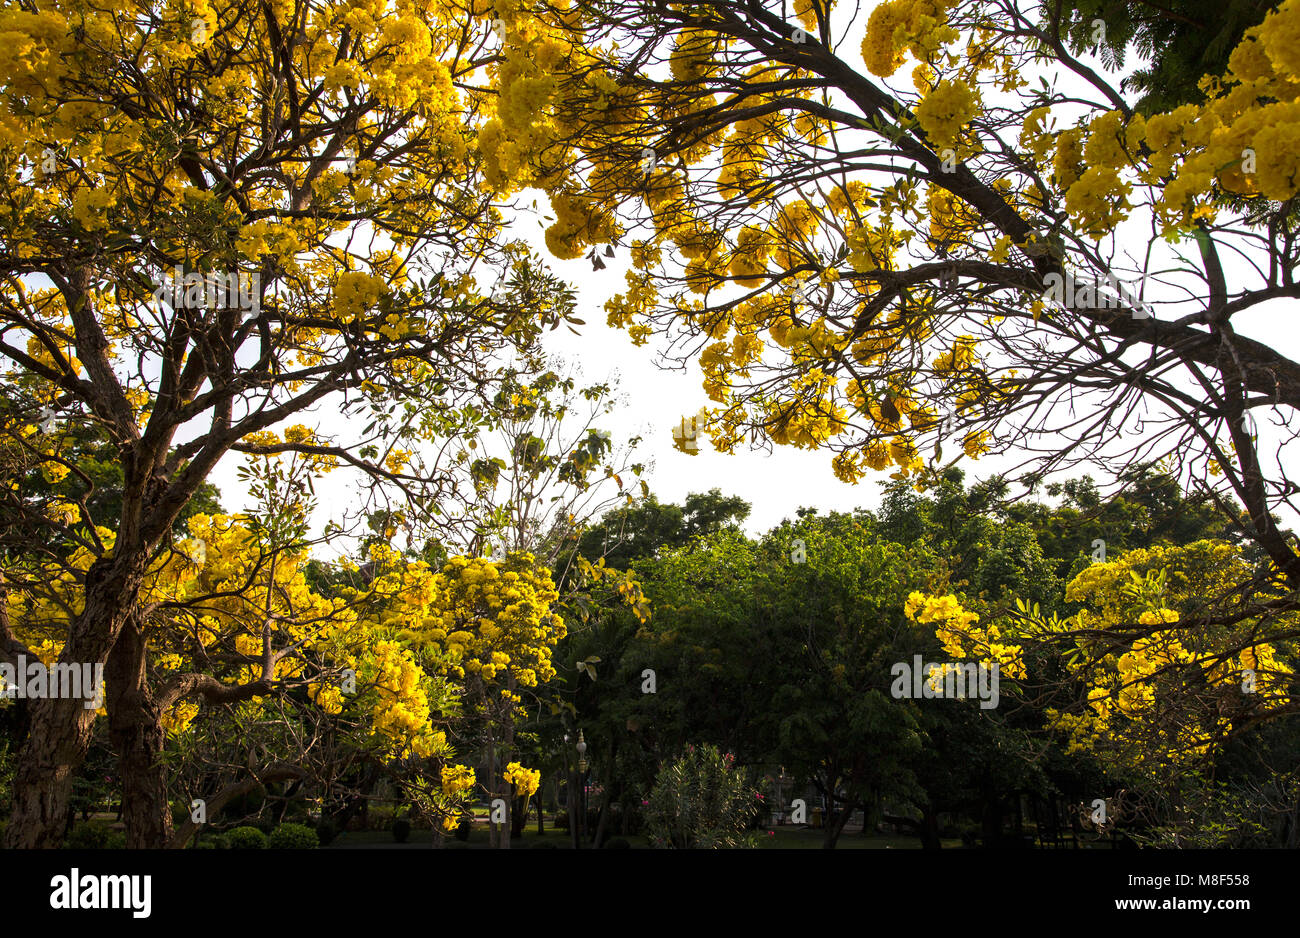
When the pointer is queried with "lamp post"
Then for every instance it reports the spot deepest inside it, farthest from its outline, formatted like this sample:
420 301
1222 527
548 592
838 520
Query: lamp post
568 798
582 781
780 781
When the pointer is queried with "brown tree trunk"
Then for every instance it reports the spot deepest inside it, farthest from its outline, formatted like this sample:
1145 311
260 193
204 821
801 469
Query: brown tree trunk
930 829
135 728
835 822
508 748
61 728
606 799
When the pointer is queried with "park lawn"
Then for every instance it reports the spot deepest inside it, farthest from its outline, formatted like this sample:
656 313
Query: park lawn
784 838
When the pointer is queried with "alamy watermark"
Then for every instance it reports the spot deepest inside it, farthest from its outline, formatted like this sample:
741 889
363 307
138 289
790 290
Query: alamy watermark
1108 293
69 681
216 290
950 679
79 890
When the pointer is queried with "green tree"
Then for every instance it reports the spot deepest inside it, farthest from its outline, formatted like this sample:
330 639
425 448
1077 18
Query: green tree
641 530
1178 41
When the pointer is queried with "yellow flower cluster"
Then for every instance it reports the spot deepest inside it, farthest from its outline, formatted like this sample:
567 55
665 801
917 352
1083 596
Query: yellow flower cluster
401 714
1144 702
946 110
847 467
456 780
494 620
356 293
1242 140
525 781
957 629
897 26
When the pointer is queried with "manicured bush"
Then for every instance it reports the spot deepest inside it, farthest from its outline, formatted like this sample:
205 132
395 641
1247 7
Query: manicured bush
401 830
293 837
325 833
213 842
246 838
116 840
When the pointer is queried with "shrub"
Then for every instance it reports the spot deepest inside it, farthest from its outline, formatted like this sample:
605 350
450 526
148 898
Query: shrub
246 838
401 830
325 833
213 842
90 836
617 843
627 819
380 817
116 841
700 801
463 830
293 837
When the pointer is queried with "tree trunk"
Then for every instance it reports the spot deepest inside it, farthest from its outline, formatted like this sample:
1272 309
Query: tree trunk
135 728
992 823
573 811
491 785
607 796
507 751
606 799
518 817
835 823
930 829
61 728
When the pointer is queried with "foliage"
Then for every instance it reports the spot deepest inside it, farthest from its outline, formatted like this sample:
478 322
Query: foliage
293 837
174 294
866 266
93 836
1179 41
627 534
702 801
246 838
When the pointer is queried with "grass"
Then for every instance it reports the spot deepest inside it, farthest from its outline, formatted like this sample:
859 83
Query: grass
782 838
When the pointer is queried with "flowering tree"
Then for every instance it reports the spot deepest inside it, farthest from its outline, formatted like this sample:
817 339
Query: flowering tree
1161 696
937 226
495 624
220 215
879 260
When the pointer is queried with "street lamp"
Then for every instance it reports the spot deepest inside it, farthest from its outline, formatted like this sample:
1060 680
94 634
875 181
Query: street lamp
582 780
780 782
568 793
